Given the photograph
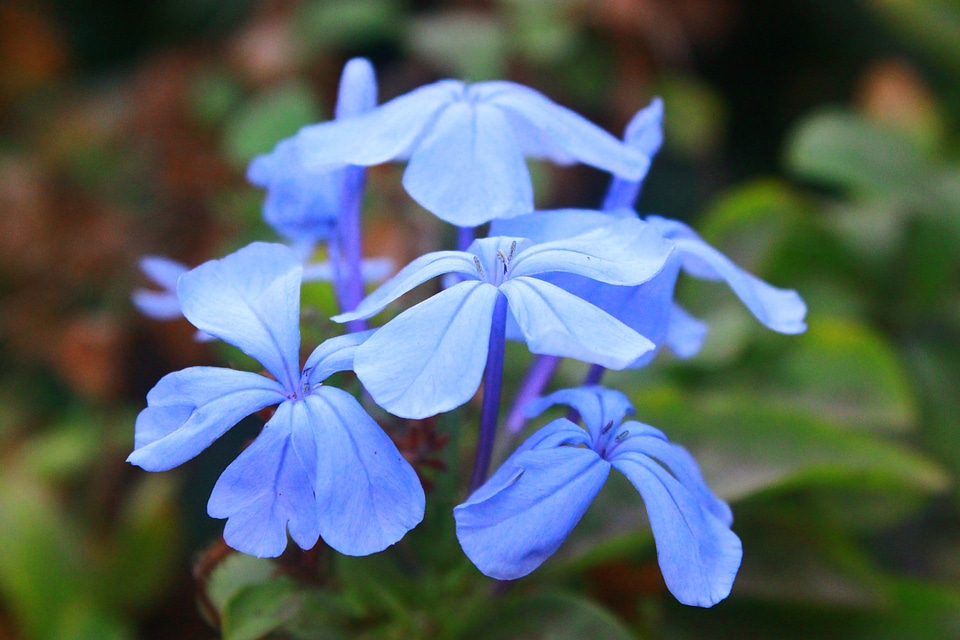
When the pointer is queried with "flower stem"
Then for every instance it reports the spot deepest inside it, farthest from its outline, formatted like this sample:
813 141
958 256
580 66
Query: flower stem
349 231
465 236
492 383
532 386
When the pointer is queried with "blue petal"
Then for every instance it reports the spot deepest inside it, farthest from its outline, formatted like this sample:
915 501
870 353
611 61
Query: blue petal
250 299
782 310
414 274
160 305
389 132
187 410
301 203
651 442
516 521
469 170
333 355
367 494
358 89
556 224
597 406
268 490
645 134
558 323
548 130
699 555
430 358
685 334
625 252
164 271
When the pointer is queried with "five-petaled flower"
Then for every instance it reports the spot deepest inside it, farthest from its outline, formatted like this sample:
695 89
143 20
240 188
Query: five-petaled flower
431 357
321 466
525 511
466 146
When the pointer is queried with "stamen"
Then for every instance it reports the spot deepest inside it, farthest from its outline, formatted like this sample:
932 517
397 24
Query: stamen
518 476
513 248
622 436
607 427
476 261
504 259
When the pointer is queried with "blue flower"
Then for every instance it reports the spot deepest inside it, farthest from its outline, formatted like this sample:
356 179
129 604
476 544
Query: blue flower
649 308
431 357
321 466
466 146
304 203
525 511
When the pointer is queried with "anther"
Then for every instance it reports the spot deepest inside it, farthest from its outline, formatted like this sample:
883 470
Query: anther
622 436
476 261
607 427
513 248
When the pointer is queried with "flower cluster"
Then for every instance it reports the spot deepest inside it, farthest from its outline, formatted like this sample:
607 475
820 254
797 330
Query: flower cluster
594 285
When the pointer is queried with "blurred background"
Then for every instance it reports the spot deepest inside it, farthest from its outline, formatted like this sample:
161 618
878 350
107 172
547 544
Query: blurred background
815 142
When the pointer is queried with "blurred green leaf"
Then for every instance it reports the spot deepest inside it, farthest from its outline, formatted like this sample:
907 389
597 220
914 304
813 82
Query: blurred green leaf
845 373
261 122
932 24
465 44
236 572
845 150
696 116
325 25
545 616
148 526
543 30
213 94
748 444
42 566
256 610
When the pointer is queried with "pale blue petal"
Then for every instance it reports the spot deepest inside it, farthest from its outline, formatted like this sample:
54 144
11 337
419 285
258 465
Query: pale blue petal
469 169
164 271
556 224
367 494
527 516
625 252
699 555
597 406
685 334
388 132
548 130
159 305
414 274
430 358
333 355
371 270
358 89
187 410
782 310
301 203
250 299
645 134
558 323
558 433
268 491
651 442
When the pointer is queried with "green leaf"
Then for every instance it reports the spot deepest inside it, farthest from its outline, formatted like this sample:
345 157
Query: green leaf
845 150
260 123
236 572
465 44
325 25
256 610
545 616
847 374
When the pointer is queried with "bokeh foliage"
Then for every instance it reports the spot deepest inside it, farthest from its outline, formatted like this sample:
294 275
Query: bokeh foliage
816 143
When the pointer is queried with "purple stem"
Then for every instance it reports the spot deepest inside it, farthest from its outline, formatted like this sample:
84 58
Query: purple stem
532 386
465 237
492 383
351 244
